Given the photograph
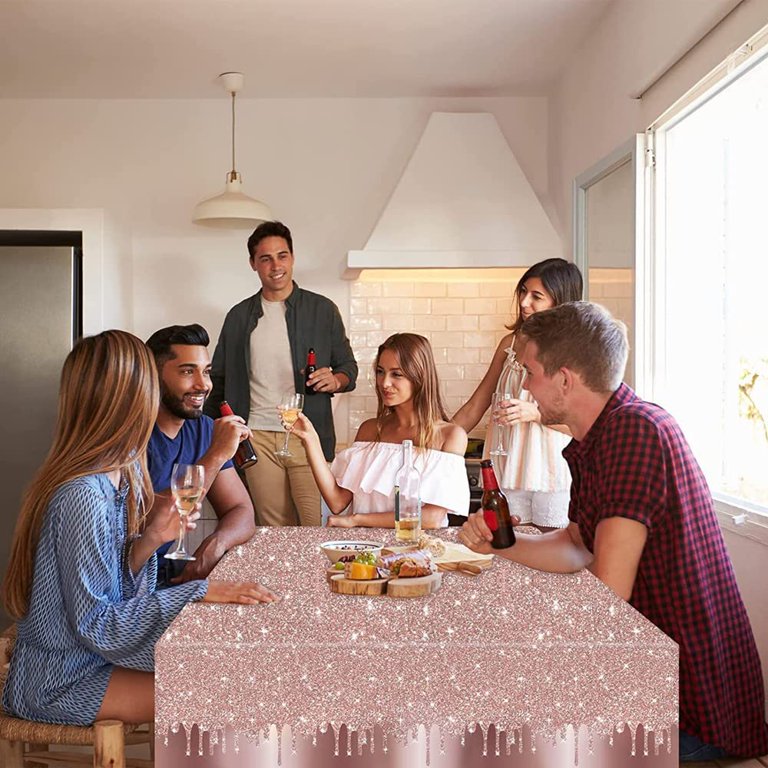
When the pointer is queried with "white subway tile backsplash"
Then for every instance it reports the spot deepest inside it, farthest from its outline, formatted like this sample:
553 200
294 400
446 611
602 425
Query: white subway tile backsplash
397 289
383 306
416 306
365 289
493 290
462 322
398 323
447 306
461 355
479 339
365 323
448 372
463 290
422 323
479 306
430 290
448 339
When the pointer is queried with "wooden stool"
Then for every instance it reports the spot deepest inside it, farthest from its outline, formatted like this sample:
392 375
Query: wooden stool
107 737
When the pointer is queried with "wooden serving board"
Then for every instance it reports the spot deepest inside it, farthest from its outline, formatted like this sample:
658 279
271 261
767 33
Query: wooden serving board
344 586
417 587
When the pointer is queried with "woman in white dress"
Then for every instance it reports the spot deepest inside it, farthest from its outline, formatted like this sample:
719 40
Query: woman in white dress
359 486
530 469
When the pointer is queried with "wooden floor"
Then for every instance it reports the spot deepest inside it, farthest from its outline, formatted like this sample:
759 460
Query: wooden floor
760 762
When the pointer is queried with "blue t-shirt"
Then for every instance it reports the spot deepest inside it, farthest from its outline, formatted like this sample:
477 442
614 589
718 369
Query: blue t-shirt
193 440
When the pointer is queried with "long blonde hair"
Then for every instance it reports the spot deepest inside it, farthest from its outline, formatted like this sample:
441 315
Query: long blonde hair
108 401
414 355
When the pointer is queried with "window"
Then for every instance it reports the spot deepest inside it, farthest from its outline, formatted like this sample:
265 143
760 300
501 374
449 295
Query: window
710 258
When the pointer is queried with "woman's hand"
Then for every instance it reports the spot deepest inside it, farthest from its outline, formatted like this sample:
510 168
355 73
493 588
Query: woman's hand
162 523
243 592
515 411
304 430
342 521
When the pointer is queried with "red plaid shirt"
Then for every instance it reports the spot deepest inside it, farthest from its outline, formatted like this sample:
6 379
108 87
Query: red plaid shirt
635 462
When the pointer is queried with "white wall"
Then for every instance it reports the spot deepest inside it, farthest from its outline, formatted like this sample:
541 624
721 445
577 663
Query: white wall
326 167
592 110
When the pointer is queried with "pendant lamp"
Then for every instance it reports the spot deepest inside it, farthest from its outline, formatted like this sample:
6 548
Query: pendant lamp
233 208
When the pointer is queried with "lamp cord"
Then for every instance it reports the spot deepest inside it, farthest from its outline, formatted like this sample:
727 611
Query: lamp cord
234 172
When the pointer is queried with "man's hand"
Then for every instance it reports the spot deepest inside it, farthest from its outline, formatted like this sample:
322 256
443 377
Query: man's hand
476 534
342 521
207 555
228 433
325 380
244 592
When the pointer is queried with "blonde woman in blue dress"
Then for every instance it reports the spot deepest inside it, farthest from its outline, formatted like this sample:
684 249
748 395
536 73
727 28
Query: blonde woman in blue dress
359 486
531 470
81 578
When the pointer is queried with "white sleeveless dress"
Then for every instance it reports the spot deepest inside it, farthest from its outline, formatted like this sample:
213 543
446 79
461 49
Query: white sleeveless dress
533 473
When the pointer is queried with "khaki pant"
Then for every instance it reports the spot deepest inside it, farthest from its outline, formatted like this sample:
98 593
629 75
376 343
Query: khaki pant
282 488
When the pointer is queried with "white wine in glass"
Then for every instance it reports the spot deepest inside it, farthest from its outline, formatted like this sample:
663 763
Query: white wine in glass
187 485
291 404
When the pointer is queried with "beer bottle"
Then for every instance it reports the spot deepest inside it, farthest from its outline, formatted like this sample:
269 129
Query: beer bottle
311 367
244 455
495 508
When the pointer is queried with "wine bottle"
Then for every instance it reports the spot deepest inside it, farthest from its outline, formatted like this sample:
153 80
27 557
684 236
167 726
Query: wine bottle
495 508
408 498
311 367
244 455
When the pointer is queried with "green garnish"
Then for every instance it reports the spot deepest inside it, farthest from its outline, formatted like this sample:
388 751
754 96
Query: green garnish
339 566
367 558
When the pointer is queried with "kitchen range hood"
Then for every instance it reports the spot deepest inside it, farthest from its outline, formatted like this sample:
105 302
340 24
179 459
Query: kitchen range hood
462 201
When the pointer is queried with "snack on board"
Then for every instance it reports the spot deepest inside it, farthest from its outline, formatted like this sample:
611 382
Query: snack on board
362 568
407 565
435 546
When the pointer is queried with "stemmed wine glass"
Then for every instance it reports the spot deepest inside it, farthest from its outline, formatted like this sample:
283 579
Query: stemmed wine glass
187 485
498 399
291 404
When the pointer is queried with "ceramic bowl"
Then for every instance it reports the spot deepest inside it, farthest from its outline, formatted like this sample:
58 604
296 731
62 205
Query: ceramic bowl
347 549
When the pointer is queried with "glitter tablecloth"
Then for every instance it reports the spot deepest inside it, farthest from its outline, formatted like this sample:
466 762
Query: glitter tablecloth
513 648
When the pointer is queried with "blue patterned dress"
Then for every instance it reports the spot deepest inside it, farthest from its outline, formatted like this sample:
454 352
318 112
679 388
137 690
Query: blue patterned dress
87 611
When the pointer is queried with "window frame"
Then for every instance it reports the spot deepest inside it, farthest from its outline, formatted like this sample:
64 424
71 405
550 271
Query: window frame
735 515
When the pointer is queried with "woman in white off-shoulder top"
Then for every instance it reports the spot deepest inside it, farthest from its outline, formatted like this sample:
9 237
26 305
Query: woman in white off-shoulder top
360 482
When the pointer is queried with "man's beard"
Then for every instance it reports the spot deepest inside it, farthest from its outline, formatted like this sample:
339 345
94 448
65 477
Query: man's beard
175 405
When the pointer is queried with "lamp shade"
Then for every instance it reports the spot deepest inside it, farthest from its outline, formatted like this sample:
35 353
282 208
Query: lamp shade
232 209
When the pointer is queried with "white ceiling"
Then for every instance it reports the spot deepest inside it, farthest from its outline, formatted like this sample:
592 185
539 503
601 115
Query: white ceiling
288 48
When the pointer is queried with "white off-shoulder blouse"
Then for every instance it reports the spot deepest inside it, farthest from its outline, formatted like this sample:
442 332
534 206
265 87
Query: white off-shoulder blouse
369 469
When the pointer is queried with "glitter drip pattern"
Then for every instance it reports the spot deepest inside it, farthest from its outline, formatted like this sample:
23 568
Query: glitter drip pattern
517 657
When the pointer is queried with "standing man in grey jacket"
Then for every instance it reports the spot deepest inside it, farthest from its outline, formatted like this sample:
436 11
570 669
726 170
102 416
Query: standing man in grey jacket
261 353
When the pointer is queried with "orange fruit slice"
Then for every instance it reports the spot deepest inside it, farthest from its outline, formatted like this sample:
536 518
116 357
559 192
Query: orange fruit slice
361 571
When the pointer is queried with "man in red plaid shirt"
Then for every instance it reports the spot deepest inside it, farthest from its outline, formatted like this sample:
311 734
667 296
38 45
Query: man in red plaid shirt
642 520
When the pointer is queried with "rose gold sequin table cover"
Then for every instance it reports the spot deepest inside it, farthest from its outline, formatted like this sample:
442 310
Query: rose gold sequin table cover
512 648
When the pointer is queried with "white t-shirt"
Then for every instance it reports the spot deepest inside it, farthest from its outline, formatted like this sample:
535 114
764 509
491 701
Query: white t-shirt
271 367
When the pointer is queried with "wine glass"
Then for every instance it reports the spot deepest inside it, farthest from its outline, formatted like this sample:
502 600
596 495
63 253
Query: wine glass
291 404
498 399
187 485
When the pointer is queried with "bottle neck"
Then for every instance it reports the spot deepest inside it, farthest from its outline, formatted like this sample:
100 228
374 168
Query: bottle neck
225 409
490 483
311 357
407 454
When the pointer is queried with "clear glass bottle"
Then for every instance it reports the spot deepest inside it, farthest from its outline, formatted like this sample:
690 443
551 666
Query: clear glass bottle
408 498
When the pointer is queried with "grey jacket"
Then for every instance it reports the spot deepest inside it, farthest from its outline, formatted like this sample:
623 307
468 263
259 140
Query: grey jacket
313 321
